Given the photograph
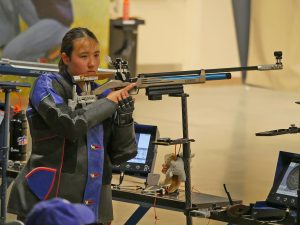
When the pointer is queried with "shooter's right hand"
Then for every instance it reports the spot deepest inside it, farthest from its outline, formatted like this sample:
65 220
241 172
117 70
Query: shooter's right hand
119 95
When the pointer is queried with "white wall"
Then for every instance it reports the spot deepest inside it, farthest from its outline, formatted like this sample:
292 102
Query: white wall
161 39
191 34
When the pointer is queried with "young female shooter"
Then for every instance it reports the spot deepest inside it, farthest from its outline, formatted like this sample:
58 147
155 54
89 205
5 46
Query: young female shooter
72 150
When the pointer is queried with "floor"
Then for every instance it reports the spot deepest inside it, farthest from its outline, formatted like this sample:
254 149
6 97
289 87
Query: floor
223 119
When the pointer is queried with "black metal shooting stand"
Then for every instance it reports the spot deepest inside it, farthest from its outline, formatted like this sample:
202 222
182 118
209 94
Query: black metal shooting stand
155 93
7 88
186 158
291 130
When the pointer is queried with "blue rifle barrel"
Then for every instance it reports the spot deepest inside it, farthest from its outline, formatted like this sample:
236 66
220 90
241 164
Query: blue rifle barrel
9 70
218 76
208 77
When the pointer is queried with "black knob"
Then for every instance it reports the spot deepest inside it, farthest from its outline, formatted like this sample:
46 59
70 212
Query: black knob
278 54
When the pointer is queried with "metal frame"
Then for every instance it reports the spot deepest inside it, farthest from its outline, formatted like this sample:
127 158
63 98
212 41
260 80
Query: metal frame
7 88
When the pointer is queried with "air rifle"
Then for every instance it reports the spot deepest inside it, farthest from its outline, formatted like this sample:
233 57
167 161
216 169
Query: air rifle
292 129
171 83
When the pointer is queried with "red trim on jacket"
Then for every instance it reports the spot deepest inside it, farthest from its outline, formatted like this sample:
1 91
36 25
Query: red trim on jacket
61 165
38 169
43 169
50 189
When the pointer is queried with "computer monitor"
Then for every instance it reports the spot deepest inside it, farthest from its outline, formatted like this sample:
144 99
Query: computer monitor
144 161
284 190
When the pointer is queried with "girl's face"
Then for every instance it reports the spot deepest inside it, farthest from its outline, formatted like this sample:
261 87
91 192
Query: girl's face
85 57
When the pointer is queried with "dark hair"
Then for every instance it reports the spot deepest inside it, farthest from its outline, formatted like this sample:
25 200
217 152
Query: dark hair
67 43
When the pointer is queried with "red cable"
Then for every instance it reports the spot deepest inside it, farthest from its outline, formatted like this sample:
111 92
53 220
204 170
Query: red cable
154 208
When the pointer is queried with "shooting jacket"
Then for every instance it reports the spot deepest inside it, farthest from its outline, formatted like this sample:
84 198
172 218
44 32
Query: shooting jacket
70 149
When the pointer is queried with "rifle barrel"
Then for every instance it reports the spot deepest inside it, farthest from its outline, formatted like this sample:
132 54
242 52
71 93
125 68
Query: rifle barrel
276 66
31 69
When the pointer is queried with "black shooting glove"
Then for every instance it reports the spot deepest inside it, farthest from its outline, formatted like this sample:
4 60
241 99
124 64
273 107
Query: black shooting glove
124 111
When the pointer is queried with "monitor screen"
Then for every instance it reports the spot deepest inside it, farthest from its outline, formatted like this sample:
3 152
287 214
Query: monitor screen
286 181
289 183
143 142
144 161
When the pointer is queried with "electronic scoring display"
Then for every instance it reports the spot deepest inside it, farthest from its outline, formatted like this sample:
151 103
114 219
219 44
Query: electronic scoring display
143 162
